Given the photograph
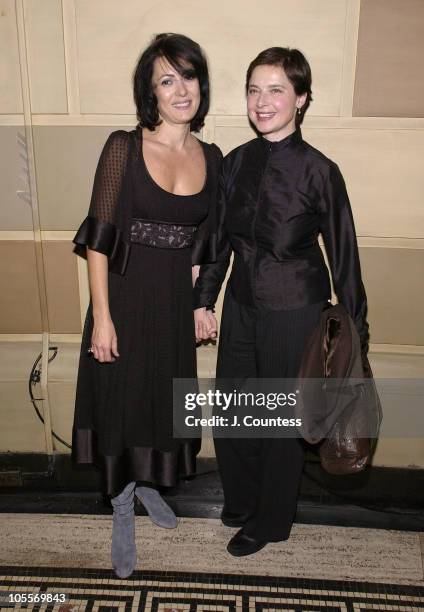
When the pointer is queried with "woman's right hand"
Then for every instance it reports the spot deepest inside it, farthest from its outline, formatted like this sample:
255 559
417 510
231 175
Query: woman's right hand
205 324
104 342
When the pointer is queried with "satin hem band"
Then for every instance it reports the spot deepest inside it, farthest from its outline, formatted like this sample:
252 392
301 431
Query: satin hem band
136 463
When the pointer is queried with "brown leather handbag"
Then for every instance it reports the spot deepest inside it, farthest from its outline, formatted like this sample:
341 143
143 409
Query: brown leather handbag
338 402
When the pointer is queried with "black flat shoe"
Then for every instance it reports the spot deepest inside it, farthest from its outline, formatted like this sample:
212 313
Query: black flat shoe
231 519
241 545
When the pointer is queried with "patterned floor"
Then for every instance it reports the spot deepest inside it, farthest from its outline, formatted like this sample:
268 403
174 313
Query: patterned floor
100 590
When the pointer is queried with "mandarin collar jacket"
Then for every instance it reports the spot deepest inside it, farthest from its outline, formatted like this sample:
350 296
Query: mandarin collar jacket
275 199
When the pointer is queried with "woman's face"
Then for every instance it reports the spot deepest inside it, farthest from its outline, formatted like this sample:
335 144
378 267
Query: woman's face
272 102
178 96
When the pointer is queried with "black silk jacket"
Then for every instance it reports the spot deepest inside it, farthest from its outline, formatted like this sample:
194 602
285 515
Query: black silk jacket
275 198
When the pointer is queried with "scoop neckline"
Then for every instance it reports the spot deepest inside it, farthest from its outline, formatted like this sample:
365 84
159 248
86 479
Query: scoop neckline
139 138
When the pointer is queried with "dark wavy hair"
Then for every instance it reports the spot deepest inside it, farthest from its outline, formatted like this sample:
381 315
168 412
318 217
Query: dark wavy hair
296 67
179 51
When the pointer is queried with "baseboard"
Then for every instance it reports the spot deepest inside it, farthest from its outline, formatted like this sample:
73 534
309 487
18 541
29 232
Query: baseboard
378 497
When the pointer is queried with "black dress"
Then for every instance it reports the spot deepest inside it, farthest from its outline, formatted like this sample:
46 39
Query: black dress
123 412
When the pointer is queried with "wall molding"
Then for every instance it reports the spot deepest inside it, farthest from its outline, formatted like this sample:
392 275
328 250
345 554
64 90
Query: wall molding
353 8
57 235
401 349
70 42
383 242
83 288
391 242
66 338
16 235
32 177
12 120
343 123
21 338
77 119
217 121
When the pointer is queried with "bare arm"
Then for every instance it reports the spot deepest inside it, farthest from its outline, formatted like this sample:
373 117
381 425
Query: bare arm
194 273
103 340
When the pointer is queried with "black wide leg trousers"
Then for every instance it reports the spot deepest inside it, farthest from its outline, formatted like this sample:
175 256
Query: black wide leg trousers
261 477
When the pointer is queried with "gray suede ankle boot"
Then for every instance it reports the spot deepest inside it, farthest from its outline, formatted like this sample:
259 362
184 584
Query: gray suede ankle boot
159 511
124 554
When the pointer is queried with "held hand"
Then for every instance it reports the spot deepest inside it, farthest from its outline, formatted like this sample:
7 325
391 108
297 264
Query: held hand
104 342
200 324
212 325
205 324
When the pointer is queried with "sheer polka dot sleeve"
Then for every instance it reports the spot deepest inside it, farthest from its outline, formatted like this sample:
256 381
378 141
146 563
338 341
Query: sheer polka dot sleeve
109 177
102 230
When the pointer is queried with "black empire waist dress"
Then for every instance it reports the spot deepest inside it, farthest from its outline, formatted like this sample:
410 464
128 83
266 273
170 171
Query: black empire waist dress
123 412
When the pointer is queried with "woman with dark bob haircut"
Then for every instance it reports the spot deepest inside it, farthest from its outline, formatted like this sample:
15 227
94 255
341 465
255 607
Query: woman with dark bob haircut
150 224
278 194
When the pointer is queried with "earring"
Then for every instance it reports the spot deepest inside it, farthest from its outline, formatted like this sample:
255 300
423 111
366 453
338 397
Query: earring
299 110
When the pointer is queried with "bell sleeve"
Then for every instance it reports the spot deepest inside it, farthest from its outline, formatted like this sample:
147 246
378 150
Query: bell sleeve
101 230
338 232
212 275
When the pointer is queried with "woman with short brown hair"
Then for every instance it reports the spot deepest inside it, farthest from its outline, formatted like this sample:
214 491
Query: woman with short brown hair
277 195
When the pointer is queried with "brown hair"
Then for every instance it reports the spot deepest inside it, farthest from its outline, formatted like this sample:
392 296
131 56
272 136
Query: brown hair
296 67
178 50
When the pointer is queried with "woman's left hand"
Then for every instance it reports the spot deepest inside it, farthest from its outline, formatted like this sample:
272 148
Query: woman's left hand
212 325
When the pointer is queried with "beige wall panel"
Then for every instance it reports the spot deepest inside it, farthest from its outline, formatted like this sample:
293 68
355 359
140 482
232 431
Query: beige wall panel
15 213
21 430
46 56
10 76
394 281
206 360
389 59
395 365
228 137
66 162
62 287
65 366
19 303
17 359
232 33
400 452
383 173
